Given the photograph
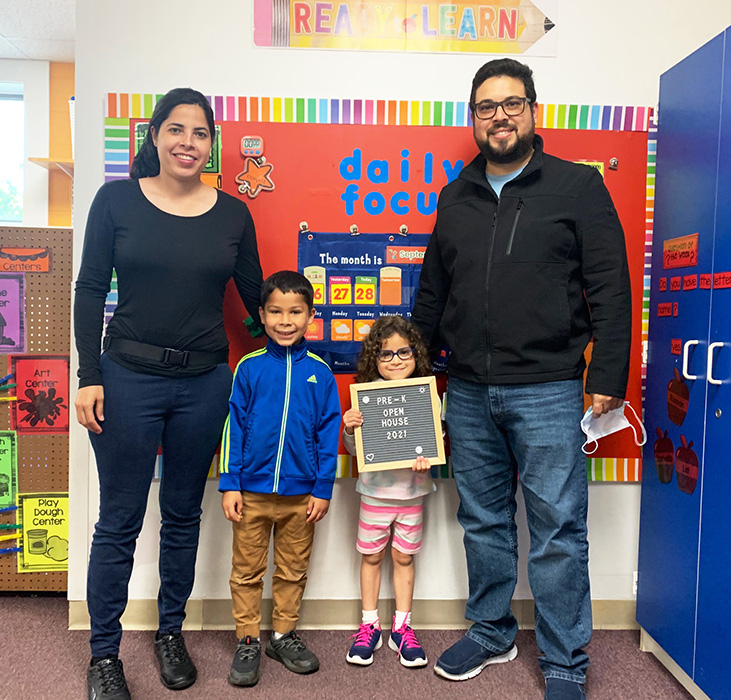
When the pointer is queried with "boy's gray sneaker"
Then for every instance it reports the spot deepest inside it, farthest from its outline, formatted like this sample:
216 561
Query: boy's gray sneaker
105 680
245 666
292 652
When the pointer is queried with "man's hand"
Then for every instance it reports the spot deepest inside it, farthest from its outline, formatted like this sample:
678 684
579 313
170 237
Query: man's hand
317 509
90 407
232 505
421 464
601 404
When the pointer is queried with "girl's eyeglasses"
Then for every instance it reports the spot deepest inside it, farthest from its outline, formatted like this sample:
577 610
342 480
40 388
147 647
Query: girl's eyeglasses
403 354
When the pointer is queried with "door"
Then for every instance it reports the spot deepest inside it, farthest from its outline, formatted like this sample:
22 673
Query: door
713 634
675 400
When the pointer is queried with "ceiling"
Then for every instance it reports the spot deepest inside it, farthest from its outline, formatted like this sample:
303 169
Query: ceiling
40 30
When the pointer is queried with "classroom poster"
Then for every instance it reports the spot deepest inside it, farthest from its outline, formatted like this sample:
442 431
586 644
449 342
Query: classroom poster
43 394
44 518
12 313
8 467
17 259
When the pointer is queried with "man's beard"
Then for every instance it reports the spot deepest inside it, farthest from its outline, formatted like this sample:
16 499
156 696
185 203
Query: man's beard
510 154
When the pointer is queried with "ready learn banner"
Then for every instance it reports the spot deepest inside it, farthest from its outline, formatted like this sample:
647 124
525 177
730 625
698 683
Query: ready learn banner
461 26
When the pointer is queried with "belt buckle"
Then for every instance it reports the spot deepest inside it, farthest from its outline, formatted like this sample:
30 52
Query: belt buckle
171 356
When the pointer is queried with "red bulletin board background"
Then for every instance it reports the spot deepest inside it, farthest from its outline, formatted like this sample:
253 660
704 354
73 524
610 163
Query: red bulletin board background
306 160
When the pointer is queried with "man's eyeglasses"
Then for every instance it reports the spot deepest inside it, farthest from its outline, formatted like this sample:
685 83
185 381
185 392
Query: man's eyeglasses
512 107
403 354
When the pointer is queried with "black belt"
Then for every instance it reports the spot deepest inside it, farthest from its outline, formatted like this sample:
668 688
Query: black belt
166 356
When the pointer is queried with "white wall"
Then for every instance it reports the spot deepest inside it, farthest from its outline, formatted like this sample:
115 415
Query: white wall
34 76
609 52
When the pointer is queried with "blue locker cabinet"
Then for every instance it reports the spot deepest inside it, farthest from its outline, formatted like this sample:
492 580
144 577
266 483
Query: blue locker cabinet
684 584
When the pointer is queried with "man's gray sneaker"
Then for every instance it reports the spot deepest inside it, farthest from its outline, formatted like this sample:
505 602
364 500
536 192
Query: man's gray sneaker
292 652
245 666
105 680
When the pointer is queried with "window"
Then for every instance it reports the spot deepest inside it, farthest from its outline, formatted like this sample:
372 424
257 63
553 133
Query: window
12 117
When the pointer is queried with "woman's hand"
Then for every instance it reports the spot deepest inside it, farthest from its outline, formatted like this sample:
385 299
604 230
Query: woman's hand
90 407
352 419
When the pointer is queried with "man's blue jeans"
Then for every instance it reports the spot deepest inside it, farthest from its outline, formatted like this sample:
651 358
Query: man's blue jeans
497 432
142 411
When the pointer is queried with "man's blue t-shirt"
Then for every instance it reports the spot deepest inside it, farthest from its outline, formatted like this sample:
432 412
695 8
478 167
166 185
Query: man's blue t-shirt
498 181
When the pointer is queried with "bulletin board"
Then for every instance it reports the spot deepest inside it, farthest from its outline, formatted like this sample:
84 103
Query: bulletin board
377 166
42 457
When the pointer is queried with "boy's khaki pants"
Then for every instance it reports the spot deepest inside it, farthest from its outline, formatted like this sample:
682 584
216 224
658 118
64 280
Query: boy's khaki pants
292 548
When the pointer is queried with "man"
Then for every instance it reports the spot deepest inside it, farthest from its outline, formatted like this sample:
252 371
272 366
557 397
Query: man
525 266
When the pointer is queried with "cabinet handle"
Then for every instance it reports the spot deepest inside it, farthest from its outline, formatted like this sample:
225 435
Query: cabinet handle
711 348
686 348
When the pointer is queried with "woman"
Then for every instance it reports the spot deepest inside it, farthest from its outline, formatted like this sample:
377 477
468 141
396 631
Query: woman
163 378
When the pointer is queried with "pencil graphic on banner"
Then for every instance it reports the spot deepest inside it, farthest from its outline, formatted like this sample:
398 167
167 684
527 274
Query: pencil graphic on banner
496 26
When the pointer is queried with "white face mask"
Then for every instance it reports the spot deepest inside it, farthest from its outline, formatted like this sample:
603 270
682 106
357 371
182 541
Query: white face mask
608 423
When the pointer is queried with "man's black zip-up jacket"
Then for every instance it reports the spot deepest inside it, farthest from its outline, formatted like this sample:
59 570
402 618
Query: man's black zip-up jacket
517 287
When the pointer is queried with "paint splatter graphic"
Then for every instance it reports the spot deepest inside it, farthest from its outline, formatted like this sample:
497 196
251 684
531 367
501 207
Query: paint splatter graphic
41 407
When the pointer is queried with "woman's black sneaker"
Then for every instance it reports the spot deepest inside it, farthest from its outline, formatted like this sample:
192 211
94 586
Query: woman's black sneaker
105 680
177 670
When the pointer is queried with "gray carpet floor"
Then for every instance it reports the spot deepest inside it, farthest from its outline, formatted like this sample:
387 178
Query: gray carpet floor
41 660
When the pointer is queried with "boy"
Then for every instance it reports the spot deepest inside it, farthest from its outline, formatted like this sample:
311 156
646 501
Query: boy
278 460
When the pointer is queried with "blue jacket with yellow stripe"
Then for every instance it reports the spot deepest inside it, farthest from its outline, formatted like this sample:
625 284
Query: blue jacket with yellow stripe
282 432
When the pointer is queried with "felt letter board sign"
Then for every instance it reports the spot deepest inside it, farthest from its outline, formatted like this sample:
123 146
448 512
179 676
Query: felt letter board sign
401 422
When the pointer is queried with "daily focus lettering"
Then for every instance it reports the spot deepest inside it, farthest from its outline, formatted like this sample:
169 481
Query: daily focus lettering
378 172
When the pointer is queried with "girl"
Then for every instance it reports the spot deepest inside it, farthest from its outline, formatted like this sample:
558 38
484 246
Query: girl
394 349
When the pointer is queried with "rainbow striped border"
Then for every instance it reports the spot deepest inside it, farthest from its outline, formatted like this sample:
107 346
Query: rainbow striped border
121 107
311 110
597 469
614 469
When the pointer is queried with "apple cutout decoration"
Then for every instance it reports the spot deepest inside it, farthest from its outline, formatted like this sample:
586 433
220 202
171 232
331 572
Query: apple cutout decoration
409 24
686 466
664 457
677 399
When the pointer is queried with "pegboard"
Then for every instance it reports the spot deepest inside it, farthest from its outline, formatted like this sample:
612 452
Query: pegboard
43 460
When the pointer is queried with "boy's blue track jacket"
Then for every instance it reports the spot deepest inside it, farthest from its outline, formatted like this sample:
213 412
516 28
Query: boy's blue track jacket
282 432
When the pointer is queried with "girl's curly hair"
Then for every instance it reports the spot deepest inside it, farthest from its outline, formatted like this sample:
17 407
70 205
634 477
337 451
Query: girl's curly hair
382 330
